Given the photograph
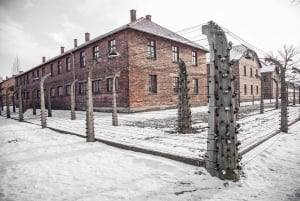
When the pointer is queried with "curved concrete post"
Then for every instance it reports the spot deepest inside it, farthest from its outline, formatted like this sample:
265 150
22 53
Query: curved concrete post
73 114
7 103
33 102
49 103
43 115
114 101
21 117
90 133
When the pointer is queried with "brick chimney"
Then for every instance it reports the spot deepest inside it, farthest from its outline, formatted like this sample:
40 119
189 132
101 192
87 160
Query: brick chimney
43 59
62 49
148 17
75 42
87 36
132 15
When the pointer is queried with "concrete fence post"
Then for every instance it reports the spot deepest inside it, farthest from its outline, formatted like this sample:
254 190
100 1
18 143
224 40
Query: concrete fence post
43 115
73 114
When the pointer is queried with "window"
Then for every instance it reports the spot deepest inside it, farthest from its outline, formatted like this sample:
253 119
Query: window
38 73
110 85
38 93
245 89
59 67
194 58
43 71
153 84
256 89
265 79
68 90
27 78
52 92
151 49
176 85
251 75
51 70
251 89
82 88
195 86
111 44
175 54
96 52
245 71
68 64
33 75
60 90
96 86
82 59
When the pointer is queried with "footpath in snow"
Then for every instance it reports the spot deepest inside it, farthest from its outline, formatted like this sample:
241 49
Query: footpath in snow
41 164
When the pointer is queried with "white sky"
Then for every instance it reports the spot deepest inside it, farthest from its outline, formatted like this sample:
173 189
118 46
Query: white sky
31 29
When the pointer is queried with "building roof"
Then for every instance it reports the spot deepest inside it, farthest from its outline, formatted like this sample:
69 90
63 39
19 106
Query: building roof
267 68
239 51
143 25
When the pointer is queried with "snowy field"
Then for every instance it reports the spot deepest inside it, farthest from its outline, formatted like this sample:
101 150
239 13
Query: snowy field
156 130
40 164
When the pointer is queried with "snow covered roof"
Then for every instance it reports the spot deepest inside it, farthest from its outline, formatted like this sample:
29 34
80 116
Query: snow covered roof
237 52
267 68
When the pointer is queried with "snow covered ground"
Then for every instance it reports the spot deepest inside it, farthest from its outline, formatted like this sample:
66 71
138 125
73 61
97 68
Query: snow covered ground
40 164
155 130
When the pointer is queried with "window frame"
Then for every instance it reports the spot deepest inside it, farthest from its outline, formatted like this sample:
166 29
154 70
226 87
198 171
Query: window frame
82 88
96 52
82 59
152 85
194 58
68 64
151 49
175 54
196 86
60 91
59 67
96 84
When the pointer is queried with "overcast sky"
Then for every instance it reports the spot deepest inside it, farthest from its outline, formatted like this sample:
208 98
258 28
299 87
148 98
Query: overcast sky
31 29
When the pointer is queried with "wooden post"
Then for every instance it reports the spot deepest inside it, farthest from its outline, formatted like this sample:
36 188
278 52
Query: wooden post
114 101
73 114
43 115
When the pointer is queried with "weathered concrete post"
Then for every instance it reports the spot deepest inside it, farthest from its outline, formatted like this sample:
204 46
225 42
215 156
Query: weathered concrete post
49 103
33 103
184 107
90 133
14 102
73 114
7 102
277 93
222 158
43 115
294 94
299 95
114 101
21 117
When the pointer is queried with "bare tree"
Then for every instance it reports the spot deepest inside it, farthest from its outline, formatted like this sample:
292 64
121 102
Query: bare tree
288 58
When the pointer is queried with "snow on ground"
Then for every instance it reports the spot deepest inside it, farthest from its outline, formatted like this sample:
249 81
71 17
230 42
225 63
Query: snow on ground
40 164
155 130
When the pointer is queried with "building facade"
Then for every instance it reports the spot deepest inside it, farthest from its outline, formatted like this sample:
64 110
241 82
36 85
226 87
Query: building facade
143 53
7 94
246 68
271 80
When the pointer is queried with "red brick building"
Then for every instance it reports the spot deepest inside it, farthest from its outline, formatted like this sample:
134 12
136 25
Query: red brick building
270 75
147 63
246 68
7 91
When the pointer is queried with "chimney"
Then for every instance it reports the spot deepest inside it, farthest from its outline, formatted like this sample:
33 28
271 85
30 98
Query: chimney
148 17
75 42
62 49
132 15
43 59
87 36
